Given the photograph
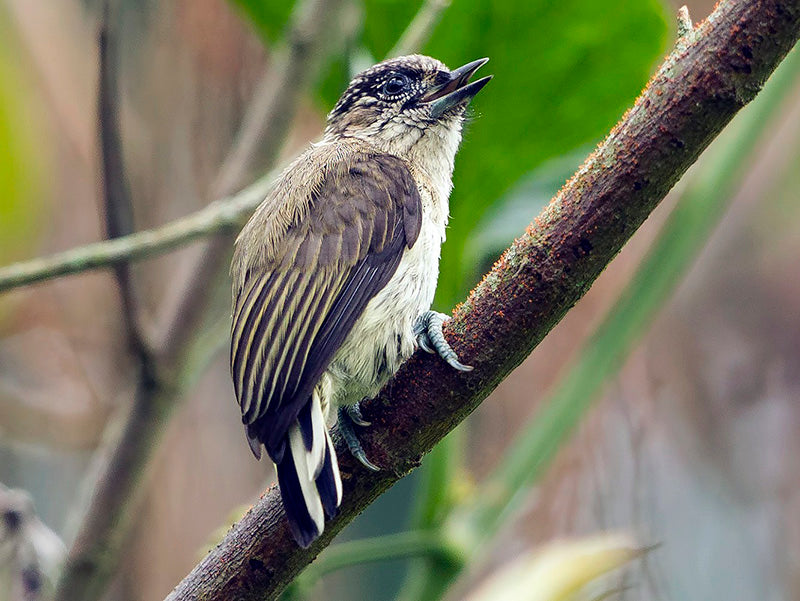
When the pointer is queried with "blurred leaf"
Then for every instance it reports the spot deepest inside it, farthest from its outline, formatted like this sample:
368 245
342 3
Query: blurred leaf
564 73
21 159
268 17
504 220
558 571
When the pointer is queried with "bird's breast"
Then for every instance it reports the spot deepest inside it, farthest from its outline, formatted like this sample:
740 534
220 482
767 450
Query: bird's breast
382 338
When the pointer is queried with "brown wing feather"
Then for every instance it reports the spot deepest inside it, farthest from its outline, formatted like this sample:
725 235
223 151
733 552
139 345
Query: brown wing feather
294 310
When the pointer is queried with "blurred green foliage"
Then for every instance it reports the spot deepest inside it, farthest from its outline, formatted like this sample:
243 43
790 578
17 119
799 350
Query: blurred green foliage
564 73
503 221
268 17
22 158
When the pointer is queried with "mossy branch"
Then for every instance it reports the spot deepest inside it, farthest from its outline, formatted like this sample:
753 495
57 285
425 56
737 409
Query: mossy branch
697 90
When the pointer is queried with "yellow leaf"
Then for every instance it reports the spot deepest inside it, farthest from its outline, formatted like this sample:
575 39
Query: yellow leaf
559 570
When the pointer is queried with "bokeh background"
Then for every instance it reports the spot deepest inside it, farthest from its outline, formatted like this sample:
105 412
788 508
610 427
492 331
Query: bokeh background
690 443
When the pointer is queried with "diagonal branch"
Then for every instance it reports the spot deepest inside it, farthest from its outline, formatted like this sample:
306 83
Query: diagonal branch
718 68
277 96
420 29
222 216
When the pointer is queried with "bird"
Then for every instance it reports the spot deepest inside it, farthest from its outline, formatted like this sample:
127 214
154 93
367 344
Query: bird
334 274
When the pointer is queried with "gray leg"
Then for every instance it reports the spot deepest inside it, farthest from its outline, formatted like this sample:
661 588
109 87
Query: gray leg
350 415
428 331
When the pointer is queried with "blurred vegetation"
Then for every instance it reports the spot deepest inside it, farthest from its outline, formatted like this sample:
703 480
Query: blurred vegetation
23 156
560 571
564 73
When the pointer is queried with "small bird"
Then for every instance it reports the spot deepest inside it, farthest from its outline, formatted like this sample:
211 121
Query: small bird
335 273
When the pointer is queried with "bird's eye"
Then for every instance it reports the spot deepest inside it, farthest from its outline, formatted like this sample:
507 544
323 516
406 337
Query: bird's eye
395 85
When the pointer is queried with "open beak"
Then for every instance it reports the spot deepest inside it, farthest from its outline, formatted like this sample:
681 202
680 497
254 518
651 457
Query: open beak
457 90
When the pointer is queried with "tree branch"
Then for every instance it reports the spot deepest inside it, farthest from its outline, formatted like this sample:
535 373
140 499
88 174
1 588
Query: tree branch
221 216
697 90
420 29
116 194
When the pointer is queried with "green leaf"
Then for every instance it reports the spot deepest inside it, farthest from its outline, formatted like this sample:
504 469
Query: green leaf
503 220
565 71
267 16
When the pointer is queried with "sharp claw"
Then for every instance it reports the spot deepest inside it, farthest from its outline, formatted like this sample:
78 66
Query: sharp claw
422 341
362 458
456 364
431 339
354 413
349 415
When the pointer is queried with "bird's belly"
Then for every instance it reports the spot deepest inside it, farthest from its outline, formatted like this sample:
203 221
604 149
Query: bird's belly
382 338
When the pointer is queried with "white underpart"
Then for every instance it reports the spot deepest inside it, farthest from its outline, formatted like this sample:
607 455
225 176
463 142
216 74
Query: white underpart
304 476
382 338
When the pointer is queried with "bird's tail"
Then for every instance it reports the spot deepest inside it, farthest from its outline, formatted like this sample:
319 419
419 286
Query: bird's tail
308 474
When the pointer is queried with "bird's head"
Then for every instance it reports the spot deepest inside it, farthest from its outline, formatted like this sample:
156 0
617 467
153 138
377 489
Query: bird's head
407 105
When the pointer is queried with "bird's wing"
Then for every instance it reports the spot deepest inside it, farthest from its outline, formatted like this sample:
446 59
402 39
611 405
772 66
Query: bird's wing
292 314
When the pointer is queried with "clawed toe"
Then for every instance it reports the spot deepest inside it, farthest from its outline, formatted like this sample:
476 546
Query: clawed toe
348 416
354 413
430 338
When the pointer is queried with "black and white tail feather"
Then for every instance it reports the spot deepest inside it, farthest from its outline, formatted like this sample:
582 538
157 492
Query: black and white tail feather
308 474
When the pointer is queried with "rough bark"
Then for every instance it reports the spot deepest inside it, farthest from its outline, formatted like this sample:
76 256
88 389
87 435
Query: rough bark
714 71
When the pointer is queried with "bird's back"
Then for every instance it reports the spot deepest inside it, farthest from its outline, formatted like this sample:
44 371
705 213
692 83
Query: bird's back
315 254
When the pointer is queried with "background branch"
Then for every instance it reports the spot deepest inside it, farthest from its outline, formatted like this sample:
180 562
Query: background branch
420 29
98 544
224 215
698 89
116 194
264 129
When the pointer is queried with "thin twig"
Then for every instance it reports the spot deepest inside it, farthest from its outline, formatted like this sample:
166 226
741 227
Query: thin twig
693 96
420 29
224 215
116 194
684 22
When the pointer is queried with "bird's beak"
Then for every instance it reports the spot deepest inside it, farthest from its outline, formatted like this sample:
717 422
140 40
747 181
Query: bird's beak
457 89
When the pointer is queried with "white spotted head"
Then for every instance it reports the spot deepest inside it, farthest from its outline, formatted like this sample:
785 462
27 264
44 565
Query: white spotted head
409 106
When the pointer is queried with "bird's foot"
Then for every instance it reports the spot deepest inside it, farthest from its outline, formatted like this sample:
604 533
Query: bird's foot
428 332
350 416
